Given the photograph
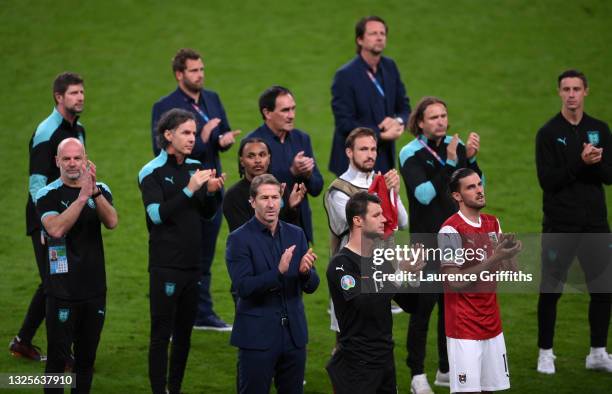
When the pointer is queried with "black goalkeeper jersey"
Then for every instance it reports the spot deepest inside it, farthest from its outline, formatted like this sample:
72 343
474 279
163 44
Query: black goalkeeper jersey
362 309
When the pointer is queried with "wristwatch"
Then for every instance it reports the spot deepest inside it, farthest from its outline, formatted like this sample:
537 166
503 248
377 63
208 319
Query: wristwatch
96 194
400 120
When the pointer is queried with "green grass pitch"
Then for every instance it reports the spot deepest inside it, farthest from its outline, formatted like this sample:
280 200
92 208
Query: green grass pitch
495 62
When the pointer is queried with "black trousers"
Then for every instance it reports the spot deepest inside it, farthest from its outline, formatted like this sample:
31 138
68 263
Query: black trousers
76 326
358 377
173 304
36 311
210 232
592 248
418 326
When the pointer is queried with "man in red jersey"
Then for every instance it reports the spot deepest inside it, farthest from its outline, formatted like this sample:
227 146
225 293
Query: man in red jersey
472 245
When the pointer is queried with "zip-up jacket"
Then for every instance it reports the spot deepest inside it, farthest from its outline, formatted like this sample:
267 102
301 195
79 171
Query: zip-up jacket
426 179
573 196
173 212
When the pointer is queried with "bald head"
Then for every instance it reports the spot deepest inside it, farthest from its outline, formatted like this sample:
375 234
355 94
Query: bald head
71 159
69 141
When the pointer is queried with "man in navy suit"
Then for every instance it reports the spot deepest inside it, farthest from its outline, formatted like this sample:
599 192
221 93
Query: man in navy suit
368 92
292 158
213 136
270 265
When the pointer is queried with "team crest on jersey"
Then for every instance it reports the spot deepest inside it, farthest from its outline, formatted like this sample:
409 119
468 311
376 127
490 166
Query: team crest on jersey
493 237
347 282
462 378
91 203
62 314
170 287
593 136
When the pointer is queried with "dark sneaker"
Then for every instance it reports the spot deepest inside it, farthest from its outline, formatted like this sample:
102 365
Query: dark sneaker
18 348
213 323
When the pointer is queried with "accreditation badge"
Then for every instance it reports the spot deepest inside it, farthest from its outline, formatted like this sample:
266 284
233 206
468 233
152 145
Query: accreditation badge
58 259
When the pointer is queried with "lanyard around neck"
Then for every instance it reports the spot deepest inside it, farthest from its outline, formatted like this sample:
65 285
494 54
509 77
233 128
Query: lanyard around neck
376 83
200 112
433 152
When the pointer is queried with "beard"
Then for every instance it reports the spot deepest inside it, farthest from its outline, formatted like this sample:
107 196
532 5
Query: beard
74 110
476 204
192 86
372 235
73 175
363 168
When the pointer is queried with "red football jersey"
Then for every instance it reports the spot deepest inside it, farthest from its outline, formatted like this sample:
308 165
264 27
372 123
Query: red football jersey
389 207
472 315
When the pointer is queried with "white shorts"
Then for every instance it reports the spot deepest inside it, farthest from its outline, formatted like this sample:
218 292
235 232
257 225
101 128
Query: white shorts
478 365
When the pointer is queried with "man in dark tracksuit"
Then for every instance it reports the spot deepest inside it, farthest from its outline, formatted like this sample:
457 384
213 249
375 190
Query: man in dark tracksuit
61 124
176 191
71 209
573 162
213 136
426 165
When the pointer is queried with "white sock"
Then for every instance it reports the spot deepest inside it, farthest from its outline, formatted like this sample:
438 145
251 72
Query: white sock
546 352
598 350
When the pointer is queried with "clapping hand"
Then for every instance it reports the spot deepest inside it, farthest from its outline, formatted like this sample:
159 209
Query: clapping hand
307 261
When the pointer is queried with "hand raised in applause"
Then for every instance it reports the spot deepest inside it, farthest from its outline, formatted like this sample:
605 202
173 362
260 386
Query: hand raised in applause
285 259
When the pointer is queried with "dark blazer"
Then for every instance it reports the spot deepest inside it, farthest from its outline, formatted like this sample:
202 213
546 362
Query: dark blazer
206 153
357 103
261 289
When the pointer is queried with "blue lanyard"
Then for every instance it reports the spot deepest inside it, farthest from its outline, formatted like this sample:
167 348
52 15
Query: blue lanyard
376 83
202 114
433 153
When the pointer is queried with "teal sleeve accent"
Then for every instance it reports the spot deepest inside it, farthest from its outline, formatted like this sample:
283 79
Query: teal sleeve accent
193 161
472 160
409 150
452 163
56 184
425 192
37 182
105 187
159 161
153 212
187 192
44 215
46 128
449 138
